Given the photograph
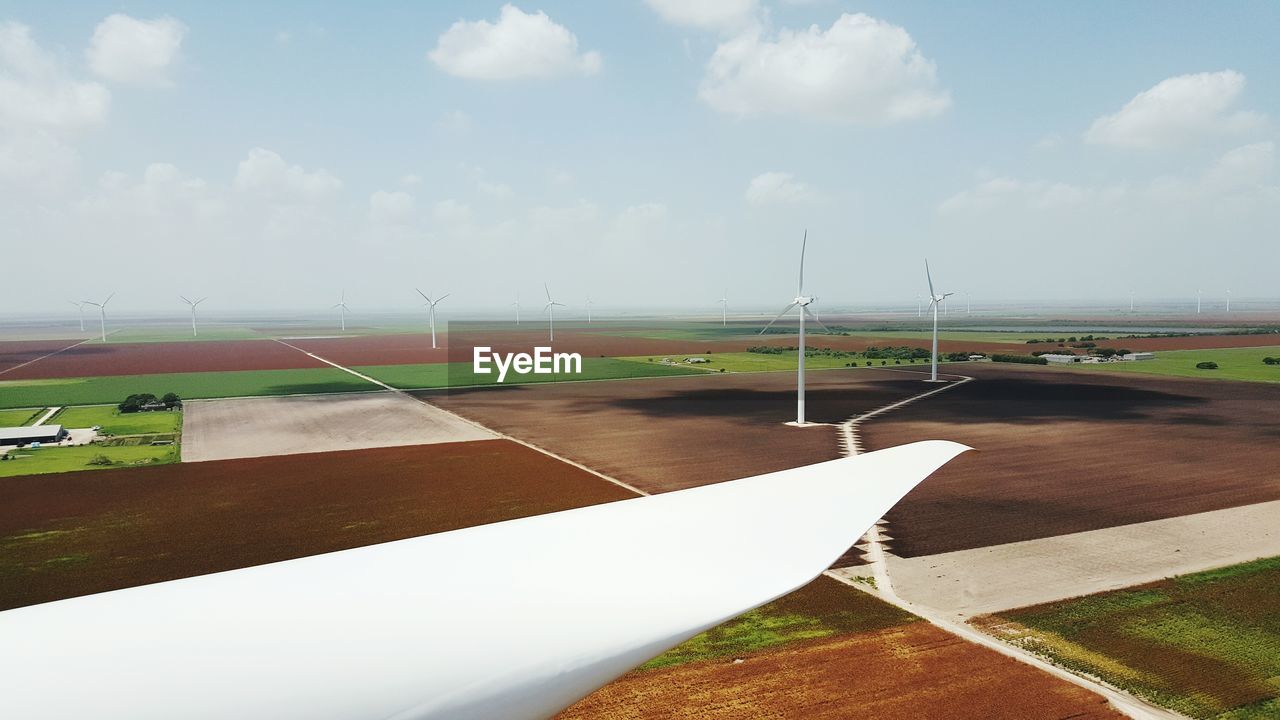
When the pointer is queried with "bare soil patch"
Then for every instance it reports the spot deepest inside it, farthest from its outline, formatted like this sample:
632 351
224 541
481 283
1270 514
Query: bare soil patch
97 359
71 534
1067 452
907 672
254 427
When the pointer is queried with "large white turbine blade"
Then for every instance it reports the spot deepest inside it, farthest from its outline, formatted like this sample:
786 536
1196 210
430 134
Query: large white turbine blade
929 275
544 287
104 302
424 295
442 297
785 310
800 282
814 317
185 300
201 300
947 295
424 629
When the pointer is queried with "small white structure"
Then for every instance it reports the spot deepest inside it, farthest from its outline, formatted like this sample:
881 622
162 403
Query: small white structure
1056 359
694 360
1140 356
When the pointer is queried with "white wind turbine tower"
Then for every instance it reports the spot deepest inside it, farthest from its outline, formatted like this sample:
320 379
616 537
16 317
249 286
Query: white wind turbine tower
968 309
589 303
919 306
724 308
1228 301
1130 301
432 305
102 313
517 305
343 309
802 301
193 312
550 310
934 301
80 305
1198 294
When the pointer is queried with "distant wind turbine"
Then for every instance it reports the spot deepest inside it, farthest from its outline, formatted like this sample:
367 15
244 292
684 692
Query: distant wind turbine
934 301
1198 294
589 303
550 310
80 306
968 309
1228 301
724 309
193 312
1130 301
517 304
343 309
801 301
431 304
102 313
919 306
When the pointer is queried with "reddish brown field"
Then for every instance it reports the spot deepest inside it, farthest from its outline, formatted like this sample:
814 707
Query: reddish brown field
1065 452
1195 342
17 352
903 673
663 434
93 359
79 533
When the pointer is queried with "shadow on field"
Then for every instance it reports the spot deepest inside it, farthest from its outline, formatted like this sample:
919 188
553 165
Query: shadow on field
1017 400
822 404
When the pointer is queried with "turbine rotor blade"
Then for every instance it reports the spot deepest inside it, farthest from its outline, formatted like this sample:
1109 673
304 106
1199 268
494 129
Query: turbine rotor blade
441 298
548 290
800 282
185 300
785 310
929 275
424 295
814 318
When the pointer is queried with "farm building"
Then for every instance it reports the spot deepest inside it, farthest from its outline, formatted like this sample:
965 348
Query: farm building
1140 356
1056 359
37 433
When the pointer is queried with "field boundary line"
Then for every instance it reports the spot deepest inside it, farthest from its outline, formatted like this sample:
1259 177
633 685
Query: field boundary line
473 423
42 357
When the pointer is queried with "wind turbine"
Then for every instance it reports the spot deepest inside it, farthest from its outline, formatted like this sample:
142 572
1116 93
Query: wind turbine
724 308
919 306
1198 294
193 313
968 309
343 309
432 305
934 301
802 301
80 305
550 310
589 309
1130 301
1228 301
517 304
102 313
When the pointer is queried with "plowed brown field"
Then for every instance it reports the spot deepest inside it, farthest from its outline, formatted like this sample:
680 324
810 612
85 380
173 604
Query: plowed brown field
17 352
96 359
1065 452
903 673
79 533
663 434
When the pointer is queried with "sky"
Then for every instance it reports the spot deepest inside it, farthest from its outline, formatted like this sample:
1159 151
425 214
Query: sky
646 153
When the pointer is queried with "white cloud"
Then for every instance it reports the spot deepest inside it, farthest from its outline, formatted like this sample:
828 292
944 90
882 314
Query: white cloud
1049 142
391 207
519 45
411 179
718 15
1176 111
777 188
644 215
861 70
162 193
36 89
267 173
36 160
135 52
451 211
998 192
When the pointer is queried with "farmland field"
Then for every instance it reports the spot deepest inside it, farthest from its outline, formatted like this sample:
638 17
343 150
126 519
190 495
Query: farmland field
830 652
1237 363
44 460
1207 644
114 388
439 375
71 534
770 362
1062 452
94 359
663 434
114 422
14 418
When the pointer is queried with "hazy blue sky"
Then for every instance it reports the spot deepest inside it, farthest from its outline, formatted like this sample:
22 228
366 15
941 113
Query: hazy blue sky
648 153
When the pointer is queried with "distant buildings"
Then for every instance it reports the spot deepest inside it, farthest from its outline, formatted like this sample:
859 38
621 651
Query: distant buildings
27 435
1140 356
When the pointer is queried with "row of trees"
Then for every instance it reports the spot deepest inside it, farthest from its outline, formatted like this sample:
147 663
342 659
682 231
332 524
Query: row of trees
140 402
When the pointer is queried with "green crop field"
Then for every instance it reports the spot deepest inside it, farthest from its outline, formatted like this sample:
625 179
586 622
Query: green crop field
1233 364
189 386
438 375
1206 645
14 418
823 608
26 461
114 422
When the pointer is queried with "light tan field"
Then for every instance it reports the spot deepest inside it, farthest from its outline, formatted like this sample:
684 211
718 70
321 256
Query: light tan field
258 427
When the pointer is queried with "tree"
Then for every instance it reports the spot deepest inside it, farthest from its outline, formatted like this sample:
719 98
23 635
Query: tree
171 400
1207 365
134 403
